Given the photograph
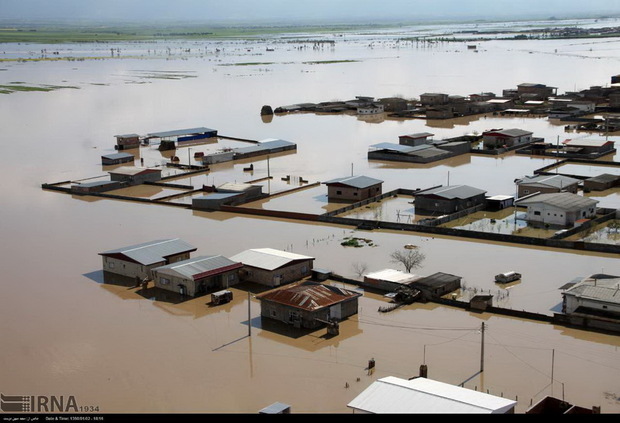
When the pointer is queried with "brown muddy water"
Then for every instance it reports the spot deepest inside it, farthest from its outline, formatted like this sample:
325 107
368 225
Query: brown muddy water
66 332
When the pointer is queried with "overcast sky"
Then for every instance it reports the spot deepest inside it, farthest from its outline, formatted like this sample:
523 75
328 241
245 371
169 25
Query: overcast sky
328 11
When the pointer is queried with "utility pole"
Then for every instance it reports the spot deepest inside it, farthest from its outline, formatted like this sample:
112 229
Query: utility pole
249 316
482 350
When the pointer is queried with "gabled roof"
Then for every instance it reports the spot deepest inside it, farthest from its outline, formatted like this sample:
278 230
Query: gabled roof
554 181
132 171
605 288
453 191
268 258
605 177
309 296
400 148
392 395
562 200
199 267
355 181
513 132
151 252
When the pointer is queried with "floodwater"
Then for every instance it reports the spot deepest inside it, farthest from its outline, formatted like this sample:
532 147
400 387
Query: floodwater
67 332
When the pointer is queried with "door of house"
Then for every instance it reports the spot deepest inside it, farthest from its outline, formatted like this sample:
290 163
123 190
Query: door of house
277 280
335 312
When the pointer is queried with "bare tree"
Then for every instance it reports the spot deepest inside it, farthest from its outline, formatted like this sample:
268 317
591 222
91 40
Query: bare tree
409 258
359 268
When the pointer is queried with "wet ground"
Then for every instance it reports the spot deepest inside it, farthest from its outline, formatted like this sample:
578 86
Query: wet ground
67 332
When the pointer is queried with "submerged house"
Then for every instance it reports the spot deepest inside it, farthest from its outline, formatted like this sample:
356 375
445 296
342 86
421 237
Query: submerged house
198 275
308 305
588 147
601 182
449 199
562 209
127 141
116 158
270 267
423 153
415 139
393 395
497 138
545 184
388 279
353 188
135 175
139 260
437 285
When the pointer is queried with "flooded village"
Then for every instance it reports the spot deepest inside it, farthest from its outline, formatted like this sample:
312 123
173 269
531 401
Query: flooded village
332 236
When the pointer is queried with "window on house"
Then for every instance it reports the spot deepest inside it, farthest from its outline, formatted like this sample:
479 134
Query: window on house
304 269
273 313
164 281
231 277
111 265
355 194
536 213
338 192
583 214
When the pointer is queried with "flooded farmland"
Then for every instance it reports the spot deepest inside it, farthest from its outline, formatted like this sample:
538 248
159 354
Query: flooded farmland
68 332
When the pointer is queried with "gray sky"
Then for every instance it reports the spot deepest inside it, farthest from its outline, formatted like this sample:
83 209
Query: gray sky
294 11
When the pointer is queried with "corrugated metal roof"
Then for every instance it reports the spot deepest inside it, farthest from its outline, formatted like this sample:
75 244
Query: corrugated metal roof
453 191
355 181
268 258
395 395
179 132
513 132
418 135
562 200
199 267
438 279
264 146
597 287
309 296
117 156
555 181
126 136
605 177
393 147
128 170
428 151
392 275
152 252
587 143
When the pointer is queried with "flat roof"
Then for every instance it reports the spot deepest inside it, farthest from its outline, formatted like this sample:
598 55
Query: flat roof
587 143
178 132
126 136
217 196
513 132
418 135
392 395
117 156
128 170
265 145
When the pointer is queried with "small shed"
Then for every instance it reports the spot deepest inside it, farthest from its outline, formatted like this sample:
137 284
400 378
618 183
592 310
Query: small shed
116 158
127 141
321 274
499 202
601 182
415 139
481 302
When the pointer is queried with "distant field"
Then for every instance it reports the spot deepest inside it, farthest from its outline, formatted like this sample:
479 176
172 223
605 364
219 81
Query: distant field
76 34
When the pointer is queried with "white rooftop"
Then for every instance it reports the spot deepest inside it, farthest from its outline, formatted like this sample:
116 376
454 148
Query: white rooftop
267 258
392 275
395 395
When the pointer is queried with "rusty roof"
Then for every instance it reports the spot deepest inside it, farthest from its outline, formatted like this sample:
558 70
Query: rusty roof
309 296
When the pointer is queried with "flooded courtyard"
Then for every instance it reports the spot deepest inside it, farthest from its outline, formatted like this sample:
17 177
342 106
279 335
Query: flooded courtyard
68 332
